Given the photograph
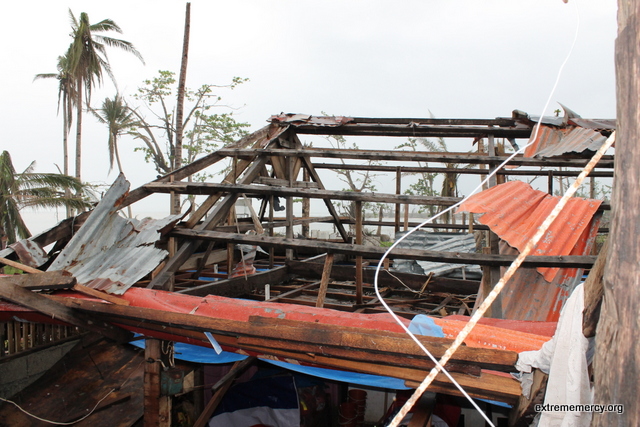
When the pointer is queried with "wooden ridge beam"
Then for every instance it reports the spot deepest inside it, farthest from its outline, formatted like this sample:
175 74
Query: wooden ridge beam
200 188
568 261
415 156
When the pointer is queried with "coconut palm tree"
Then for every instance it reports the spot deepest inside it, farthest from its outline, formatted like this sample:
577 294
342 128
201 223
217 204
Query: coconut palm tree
66 100
30 189
88 61
119 119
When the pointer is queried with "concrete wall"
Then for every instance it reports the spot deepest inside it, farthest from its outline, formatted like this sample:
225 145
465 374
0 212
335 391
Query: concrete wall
17 373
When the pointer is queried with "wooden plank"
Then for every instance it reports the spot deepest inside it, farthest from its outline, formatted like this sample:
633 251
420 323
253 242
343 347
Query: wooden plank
45 280
593 293
324 335
20 266
238 286
324 282
58 311
99 294
569 261
221 388
461 171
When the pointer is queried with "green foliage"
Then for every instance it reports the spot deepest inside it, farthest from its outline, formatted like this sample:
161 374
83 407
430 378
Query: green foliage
203 129
119 119
36 190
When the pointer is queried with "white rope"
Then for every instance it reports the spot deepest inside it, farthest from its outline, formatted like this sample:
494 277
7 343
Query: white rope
439 365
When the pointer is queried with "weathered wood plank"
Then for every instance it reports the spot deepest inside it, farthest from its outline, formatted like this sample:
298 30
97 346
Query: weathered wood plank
45 280
238 286
324 282
569 261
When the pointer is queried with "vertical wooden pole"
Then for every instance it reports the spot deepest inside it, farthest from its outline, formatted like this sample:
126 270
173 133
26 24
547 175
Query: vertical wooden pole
271 232
306 205
398 190
157 408
617 363
359 257
289 200
324 281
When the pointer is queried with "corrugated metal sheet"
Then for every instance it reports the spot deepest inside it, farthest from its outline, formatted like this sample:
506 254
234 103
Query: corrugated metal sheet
110 252
514 211
442 242
305 119
595 124
30 253
553 141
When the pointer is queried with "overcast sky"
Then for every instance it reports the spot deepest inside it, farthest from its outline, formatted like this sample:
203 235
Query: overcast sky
462 59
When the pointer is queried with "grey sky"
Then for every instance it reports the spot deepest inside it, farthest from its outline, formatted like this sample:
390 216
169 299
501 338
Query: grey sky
467 59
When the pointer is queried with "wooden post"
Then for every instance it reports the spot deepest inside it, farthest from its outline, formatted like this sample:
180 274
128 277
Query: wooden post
324 281
289 200
359 257
306 205
157 408
617 365
271 232
398 190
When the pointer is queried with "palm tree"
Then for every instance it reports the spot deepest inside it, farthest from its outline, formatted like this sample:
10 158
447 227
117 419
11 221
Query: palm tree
88 60
66 99
119 118
29 189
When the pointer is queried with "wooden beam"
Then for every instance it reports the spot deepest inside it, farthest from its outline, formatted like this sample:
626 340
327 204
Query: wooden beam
46 280
359 232
304 332
157 408
203 188
569 261
99 294
20 266
44 305
417 156
324 282
238 286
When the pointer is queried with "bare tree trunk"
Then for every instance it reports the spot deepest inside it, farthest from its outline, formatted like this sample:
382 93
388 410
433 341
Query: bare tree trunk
177 160
617 363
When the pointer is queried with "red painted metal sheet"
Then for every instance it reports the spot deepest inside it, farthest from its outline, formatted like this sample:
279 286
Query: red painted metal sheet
514 211
554 141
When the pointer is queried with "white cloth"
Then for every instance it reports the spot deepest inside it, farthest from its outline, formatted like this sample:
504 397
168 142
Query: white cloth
564 358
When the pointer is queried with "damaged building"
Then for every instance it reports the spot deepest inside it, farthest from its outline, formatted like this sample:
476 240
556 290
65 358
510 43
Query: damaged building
177 321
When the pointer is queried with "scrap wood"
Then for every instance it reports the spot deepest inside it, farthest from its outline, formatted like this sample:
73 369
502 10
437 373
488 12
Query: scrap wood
593 293
99 294
20 266
305 332
43 280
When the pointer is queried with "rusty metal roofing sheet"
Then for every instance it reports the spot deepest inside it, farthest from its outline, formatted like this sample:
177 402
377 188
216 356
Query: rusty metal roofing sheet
110 252
300 119
29 253
553 141
515 210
